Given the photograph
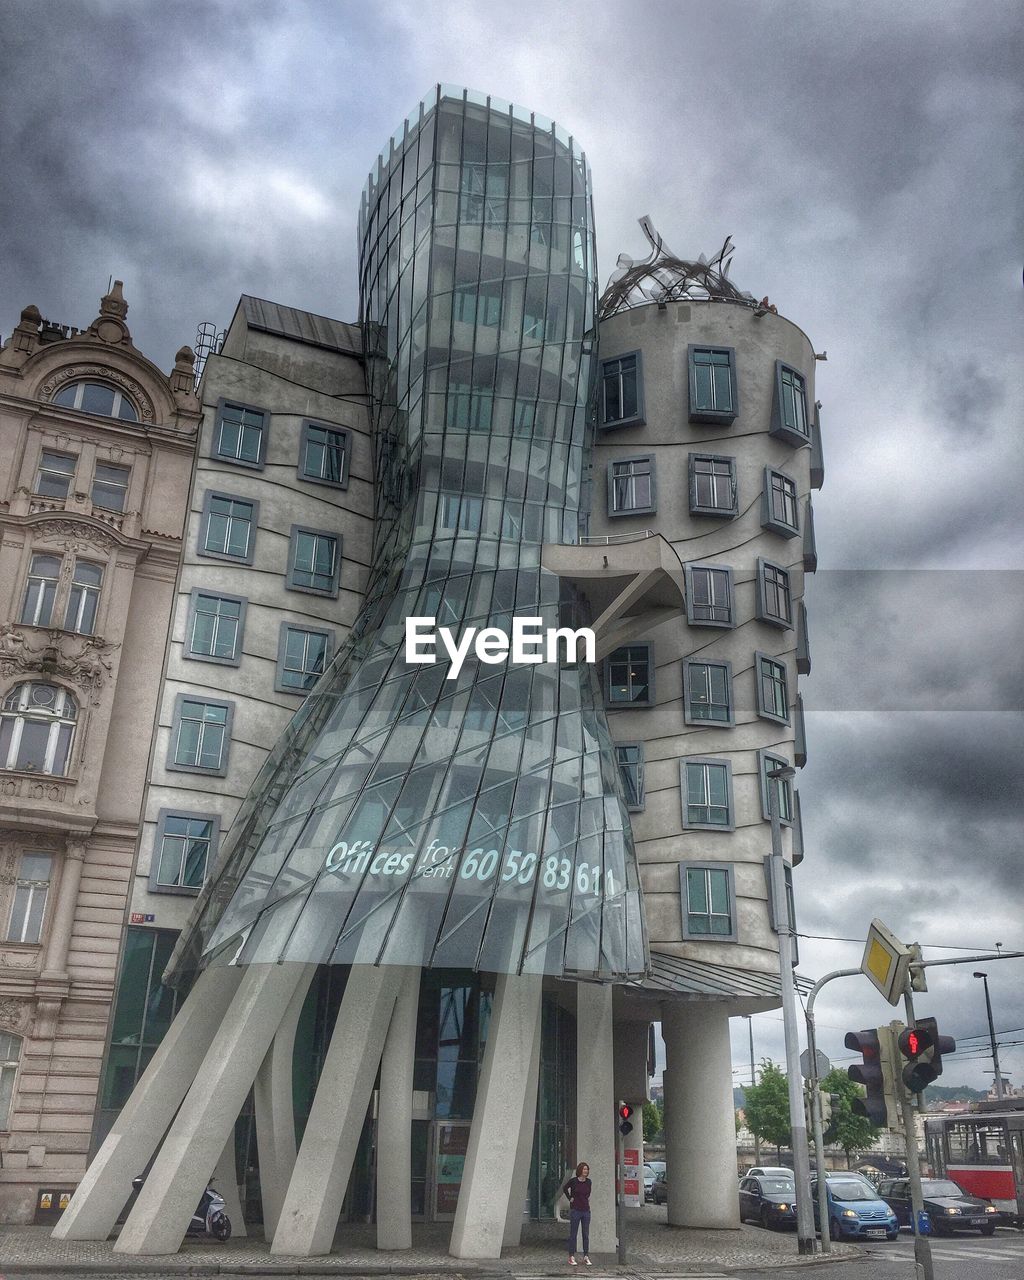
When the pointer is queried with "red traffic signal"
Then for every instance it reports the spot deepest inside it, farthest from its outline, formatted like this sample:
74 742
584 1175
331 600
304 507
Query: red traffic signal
868 1073
623 1114
915 1041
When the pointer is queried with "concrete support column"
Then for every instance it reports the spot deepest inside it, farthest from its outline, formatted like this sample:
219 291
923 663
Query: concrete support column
137 1131
394 1119
700 1125
56 963
312 1204
524 1151
195 1140
595 1108
275 1109
482 1211
225 1180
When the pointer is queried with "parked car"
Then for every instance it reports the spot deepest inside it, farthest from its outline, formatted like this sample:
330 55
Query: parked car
769 1200
659 1192
768 1171
948 1206
855 1210
651 1170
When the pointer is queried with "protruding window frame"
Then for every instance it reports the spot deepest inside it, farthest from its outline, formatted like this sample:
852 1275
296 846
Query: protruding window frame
688 716
641 791
711 416
704 566
699 509
718 761
637 419
690 935
264 429
614 512
769 520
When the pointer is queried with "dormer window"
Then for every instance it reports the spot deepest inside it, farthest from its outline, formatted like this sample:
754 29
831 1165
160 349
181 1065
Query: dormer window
97 397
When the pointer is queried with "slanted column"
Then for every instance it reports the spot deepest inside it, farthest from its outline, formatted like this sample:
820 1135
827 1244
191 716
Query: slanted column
160 1217
225 1180
524 1152
137 1131
700 1123
275 1109
394 1119
482 1211
315 1193
595 1108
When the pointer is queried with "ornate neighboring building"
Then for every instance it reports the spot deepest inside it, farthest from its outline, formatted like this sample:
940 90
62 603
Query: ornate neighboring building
96 455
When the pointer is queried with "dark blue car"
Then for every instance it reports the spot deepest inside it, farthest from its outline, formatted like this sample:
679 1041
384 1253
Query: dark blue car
854 1210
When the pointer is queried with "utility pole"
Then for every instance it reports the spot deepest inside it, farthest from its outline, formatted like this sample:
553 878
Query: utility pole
753 1081
620 1199
922 1245
992 1035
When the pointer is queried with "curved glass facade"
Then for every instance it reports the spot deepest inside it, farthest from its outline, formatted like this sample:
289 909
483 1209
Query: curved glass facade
405 817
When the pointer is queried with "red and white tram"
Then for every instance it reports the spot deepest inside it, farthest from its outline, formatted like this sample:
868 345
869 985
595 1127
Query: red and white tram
983 1151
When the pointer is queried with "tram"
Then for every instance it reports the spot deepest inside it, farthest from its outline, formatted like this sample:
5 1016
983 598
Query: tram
983 1151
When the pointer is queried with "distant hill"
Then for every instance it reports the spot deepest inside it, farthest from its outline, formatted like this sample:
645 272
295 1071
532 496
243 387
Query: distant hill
953 1093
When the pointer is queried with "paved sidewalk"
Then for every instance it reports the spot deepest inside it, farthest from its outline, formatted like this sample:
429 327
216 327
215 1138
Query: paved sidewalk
653 1249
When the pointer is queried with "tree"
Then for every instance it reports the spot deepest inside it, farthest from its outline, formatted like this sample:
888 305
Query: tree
766 1107
652 1122
846 1129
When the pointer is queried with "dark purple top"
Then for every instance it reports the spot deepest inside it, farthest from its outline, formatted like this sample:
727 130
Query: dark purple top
578 1191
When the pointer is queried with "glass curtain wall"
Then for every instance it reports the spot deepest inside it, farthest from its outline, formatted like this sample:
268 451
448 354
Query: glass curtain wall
412 815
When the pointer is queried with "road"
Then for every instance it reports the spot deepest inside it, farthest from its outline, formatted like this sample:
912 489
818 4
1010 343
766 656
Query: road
962 1257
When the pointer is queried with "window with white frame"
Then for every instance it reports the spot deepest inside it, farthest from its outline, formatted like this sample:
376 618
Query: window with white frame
629 676
110 486
313 561
214 627
462 511
37 728
185 843
55 474
707 692
97 397
621 391
707 794
774 594
708 901
630 758
200 735
31 890
240 434
84 598
41 590
713 488
228 527
323 453
768 762
631 486
779 506
302 656
10 1056
772 688
709 601
712 384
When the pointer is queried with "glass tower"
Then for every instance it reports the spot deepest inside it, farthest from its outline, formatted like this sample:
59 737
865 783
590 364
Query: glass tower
406 816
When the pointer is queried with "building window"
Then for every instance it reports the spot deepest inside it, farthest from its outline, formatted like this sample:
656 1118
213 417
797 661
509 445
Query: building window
302 656
707 794
803 641
483 191
55 474
228 529
10 1056
462 511
774 595
713 488
241 434
213 631
314 561
629 676
707 693
630 758
142 1013
772 688
780 512
789 416
97 397
707 891
110 486
766 763
622 391
473 306
323 455
31 889
790 922
41 591
469 409
631 486
37 727
185 847
709 596
712 384
83 598
200 735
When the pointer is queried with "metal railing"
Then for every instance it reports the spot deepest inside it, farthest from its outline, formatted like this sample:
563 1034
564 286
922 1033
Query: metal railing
609 539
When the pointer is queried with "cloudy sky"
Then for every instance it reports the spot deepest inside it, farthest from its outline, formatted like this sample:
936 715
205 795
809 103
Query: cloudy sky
866 160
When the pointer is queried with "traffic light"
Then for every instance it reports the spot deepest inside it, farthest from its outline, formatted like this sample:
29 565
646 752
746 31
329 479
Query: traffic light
875 1073
622 1115
830 1104
940 1044
918 1047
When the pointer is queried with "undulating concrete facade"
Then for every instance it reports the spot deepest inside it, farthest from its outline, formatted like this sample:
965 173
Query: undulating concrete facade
638 464
96 455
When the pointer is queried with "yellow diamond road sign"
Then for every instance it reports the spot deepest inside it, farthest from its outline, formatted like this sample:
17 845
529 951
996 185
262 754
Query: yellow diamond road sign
886 961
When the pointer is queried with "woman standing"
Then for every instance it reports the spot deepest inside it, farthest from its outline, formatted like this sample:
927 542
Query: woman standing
578 1191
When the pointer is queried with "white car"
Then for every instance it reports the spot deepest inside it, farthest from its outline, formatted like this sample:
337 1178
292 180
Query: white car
768 1171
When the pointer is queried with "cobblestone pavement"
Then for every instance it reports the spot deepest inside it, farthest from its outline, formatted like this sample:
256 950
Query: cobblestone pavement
653 1248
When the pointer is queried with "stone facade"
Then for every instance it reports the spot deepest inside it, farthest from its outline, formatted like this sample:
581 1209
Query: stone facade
95 466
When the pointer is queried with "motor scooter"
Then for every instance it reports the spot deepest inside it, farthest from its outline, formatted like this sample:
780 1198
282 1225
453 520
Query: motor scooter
209 1217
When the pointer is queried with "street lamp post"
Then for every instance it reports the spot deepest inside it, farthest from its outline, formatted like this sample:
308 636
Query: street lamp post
753 1081
783 927
991 1034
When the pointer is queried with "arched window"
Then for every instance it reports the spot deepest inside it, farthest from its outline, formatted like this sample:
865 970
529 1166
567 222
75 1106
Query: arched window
37 726
10 1056
97 397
